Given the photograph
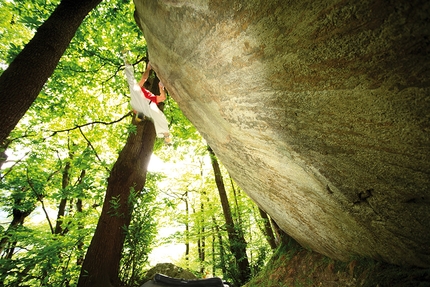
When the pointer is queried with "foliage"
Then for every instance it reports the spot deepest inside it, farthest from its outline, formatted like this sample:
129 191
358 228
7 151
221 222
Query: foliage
62 150
18 23
194 190
43 259
140 234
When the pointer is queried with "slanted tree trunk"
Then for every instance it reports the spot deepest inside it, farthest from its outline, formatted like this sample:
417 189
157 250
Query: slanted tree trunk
282 237
22 81
236 239
6 245
3 156
238 217
268 231
101 264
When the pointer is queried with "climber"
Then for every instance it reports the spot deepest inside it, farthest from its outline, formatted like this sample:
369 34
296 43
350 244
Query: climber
144 103
157 99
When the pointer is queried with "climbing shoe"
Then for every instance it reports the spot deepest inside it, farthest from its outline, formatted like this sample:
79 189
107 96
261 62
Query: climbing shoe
167 139
139 117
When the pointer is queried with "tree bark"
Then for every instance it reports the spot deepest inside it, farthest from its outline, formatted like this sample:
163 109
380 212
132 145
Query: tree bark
268 231
239 220
284 238
201 243
62 206
101 264
22 81
222 262
237 241
187 230
80 258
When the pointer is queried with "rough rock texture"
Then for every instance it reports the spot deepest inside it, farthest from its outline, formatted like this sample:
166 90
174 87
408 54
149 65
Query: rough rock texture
320 110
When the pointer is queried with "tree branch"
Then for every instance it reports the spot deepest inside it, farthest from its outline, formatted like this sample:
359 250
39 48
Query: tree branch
11 168
40 198
91 123
92 147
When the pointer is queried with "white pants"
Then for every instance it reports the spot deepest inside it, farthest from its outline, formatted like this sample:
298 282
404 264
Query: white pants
143 105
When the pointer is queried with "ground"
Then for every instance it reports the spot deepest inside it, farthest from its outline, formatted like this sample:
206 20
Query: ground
294 266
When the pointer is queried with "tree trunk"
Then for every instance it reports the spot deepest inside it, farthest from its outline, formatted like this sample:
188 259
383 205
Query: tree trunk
187 230
202 239
213 251
3 156
239 220
22 81
284 238
222 262
17 220
80 246
237 241
268 231
101 264
62 206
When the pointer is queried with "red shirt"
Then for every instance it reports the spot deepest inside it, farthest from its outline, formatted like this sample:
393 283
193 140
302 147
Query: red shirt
150 96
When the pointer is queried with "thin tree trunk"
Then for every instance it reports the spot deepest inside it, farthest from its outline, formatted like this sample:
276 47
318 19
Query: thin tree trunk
187 230
213 251
284 238
17 220
222 261
62 206
202 240
22 81
237 241
268 231
80 259
19 214
239 219
3 156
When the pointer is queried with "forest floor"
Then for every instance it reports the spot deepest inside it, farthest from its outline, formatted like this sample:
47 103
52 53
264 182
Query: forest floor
293 266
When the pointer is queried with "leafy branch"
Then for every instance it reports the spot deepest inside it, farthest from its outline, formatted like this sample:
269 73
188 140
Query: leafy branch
90 124
92 147
40 196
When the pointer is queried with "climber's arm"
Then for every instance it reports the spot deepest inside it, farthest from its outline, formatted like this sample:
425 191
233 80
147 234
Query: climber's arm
162 96
145 75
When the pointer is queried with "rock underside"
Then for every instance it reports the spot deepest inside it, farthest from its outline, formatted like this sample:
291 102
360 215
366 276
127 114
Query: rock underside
320 110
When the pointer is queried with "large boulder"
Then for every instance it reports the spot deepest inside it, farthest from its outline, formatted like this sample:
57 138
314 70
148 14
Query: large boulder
320 110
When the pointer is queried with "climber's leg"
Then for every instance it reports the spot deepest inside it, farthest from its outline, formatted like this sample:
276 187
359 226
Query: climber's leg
160 121
138 101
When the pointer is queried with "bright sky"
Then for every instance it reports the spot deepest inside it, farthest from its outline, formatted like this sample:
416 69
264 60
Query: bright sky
166 253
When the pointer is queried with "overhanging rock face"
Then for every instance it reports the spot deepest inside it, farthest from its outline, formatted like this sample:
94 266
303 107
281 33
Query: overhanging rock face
320 110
